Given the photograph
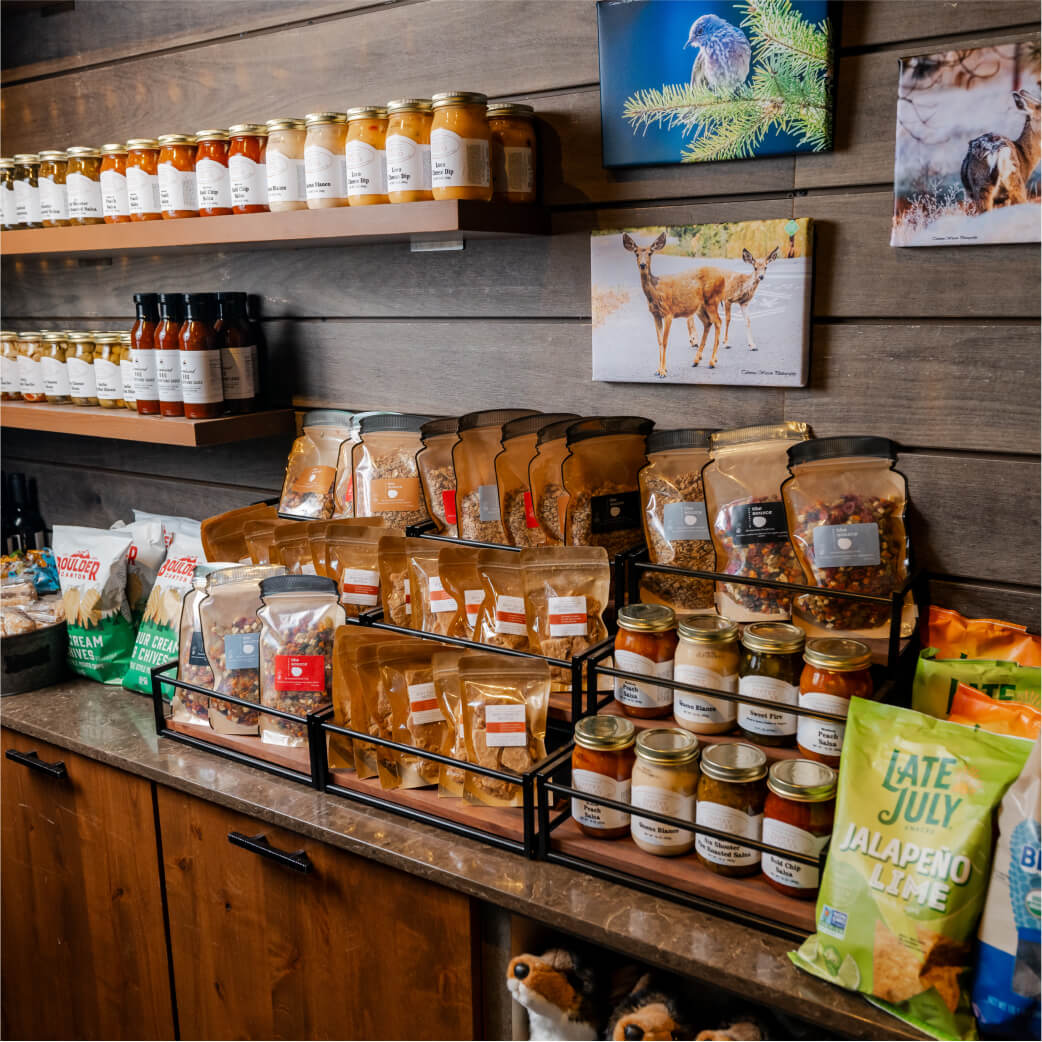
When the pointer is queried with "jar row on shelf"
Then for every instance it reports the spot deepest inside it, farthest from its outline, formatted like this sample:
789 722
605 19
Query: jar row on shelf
454 146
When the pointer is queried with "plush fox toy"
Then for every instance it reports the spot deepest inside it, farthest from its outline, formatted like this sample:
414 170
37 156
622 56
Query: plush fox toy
649 1015
558 991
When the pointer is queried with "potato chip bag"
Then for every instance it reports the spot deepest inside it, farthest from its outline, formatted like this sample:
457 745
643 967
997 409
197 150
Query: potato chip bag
936 679
909 863
975 709
146 555
953 636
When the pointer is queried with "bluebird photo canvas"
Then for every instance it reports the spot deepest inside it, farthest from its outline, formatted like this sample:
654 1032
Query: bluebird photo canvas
967 152
690 81
703 303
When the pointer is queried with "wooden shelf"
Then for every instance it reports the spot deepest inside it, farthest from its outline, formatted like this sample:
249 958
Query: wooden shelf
422 223
95 422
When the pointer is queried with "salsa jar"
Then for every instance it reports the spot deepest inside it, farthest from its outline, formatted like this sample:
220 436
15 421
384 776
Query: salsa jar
836 670
55 369
126 372
9 211
325 163
178 194
460 143
212 180
30 368
798 816
284 165
707 656
54 205
366 155
27 190
167 351
513 152
645 643
108 380
201 388
115 200
409 150
731 797
246 168
238 346
665 780
143 179
79 361
770 670
143 355
83 185
10 387
602 764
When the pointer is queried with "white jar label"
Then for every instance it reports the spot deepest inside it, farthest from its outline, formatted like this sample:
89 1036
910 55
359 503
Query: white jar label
326 173
566 616
34 204
766 721
287 182
366 169
505 726
440 598
10 206
637 693
53 204
515 170
126 376
177 189
201 377
107 380
701 709
593 814
423 706
408 165
9 378
21 202
55 378
248 181
145 386
458 162
214 185
84 196
737 823
81 378
239 371
30 376
360 586
142 191
473 599
510 615
799 841
821 736
661 801
168 375
114 199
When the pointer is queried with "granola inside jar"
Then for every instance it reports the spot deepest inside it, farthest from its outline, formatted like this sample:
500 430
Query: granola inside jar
544 479
386 477
307 493
437 478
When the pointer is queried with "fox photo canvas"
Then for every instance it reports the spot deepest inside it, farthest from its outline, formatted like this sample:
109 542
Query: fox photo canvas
703 303
691 81
966 164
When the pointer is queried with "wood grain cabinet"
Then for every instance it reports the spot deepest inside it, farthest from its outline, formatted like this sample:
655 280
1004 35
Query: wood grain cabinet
322 944
82 937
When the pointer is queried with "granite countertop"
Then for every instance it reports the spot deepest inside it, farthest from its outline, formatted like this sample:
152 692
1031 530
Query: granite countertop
116 727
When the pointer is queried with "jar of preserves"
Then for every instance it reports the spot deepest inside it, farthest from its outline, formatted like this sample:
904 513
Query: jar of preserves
27 190
409 150
325 164
143 355
707 656
665 780
366 155
143 179
238 347
79 361
115 202
460 142
9 211
108 380
731 796
212 180
55 371
30 369
770 670
126 373
167 353
513 152
54 205
10 387
246 168
178 195
798 816
646 643
201 386
602 764
836 670
284 163
83 185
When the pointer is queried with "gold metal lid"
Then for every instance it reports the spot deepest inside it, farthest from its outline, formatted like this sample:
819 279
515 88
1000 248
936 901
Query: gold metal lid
737 762
211 135
707 629
106 338
837 653
647 618
5 162
26 158
410 105
605 732
778 638
142 142
802 780
79 337
55 338
251 129
510 108
124 338
790 430
82 151
285 123
458 97
176 139
324 117
671 746
366 112
30 336
115 149
52 155
6 336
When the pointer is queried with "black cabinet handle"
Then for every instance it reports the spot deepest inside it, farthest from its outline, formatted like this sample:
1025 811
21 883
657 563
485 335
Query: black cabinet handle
299 861
33 762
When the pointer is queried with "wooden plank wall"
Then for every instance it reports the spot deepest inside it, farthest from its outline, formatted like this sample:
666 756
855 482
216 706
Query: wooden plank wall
938 348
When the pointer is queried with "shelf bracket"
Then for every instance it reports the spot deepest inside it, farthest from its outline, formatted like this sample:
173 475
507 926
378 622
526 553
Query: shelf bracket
435 245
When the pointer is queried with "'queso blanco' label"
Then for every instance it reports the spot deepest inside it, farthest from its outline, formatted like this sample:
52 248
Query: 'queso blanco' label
408 165
458 162
287 181
702 709
661 801
366 169
325 174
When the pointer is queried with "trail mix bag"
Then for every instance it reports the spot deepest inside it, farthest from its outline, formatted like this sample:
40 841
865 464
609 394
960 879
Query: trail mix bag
747 518
298 620
545 481
386 480
92 570
353 562
501 620
445 676
676 528
909 862
953 636
458 568
344 484
936 679
437 478
144 559
223 537
433 608
307 492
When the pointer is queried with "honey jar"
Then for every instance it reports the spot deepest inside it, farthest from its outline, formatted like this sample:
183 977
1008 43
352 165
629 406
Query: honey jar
115 204
54 205
513 152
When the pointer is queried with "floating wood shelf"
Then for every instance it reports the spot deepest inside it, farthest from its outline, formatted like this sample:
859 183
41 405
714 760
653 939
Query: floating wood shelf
420 223
94 422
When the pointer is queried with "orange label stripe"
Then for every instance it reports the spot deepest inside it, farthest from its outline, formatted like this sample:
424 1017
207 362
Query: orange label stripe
508 727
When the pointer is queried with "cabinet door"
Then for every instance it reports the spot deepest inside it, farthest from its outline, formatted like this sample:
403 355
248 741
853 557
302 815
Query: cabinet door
350 950
83 938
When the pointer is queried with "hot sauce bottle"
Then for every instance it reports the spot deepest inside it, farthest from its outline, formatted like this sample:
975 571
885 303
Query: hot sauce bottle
201 385
168 354
142 353
236 342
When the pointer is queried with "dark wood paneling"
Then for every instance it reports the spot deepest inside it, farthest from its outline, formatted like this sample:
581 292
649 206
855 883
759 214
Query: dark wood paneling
976 600
886 21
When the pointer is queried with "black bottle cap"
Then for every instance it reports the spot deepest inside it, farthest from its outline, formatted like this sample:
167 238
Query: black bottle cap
172 306
200 307
147 305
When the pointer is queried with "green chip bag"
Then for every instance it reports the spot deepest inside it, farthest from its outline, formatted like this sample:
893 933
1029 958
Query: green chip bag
936 680
909 863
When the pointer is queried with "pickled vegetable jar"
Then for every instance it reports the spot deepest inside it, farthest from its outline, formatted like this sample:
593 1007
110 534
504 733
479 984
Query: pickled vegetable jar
287 183
55 371
366 155
143 179
79 360
126 372
770 670
707 656
178 195
115 203
665 780
646 643
246 167
513 152
26 190
731 796
602 764
460 143
836 671
83 185
10 388
108 380
30 369
9 211
54 205
212 180
409 150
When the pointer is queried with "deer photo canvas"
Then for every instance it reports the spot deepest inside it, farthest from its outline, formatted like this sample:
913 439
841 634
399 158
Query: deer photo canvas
703 303
966 160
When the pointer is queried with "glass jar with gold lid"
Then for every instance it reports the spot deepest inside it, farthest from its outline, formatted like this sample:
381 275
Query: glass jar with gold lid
366 155
707 656
10 389
284 162
836 670
143 179
8 209
246 162
83 185
731 796
54 204
409 150
513 152
460 143
770 671
645 643
212 178
602 764
26 189
178 194
79 358
30 369
665 780
325 161
55 370
115 203
126 370
108 380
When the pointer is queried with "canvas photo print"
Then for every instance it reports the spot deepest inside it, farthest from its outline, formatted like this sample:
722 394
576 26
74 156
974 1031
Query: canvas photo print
690 81
966 163
703 303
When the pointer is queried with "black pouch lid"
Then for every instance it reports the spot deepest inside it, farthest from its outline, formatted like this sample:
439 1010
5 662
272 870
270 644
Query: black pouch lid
394 421
686 438
604 426
551 431
530 424
837 448
442 425
297 584
492 418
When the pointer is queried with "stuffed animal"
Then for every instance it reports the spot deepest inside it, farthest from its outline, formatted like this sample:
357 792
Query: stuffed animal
648 1014
557 989
744 1029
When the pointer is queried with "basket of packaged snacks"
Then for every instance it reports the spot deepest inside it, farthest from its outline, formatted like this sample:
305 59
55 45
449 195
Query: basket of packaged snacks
33 635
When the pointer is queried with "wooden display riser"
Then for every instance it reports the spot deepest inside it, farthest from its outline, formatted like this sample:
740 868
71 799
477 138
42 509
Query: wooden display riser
296 758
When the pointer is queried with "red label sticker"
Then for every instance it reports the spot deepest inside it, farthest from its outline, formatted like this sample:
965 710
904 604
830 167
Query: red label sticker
512 616
300 672
448 503
531 521
506 727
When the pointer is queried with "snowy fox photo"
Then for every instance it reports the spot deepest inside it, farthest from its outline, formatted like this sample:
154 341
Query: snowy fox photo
968 145
703 303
